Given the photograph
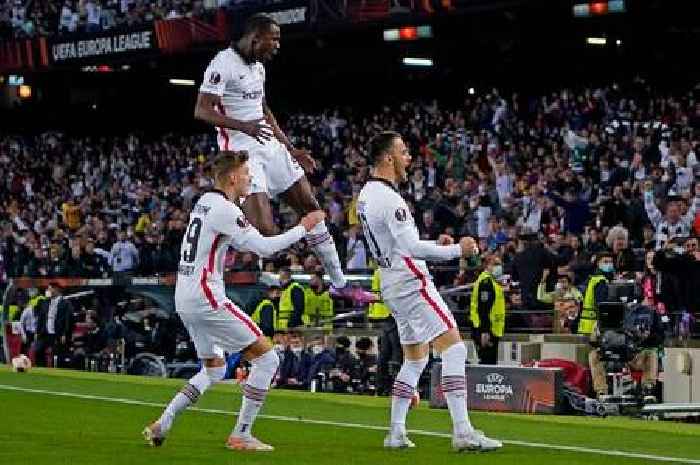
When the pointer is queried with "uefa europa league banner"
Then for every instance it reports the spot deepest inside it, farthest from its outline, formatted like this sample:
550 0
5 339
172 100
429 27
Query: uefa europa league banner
505 389
105 45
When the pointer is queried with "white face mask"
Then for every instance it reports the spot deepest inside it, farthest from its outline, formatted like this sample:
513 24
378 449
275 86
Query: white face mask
497 271
296 350
316 350
47 294
560 287
279 347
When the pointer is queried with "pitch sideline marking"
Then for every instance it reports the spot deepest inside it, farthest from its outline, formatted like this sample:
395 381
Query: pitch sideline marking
118 400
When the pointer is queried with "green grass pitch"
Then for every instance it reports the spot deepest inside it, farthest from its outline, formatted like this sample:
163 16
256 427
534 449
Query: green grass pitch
57 417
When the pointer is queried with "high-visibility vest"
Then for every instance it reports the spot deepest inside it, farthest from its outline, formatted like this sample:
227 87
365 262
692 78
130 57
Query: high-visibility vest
286 308
377 310
589 313
13 312
497 314
256 313
318 307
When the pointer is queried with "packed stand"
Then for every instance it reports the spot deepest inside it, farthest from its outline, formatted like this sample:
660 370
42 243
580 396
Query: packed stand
23 19
610 169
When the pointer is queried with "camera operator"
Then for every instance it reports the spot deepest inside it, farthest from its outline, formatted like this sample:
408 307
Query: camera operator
637 345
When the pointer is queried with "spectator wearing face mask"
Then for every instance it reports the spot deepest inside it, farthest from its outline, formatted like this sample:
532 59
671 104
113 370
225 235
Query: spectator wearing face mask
323 361
488 311
294 369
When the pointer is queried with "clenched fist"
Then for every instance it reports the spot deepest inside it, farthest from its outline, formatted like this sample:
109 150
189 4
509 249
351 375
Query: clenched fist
312 219
469 247
445 239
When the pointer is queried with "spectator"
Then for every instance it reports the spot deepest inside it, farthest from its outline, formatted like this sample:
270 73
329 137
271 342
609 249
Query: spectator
125 257
356 251
527 268
94 263
674 223
344 371
294 369
367 369
577 211
624 259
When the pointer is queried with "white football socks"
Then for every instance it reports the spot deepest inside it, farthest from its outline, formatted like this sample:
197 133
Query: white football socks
189 394
321 242
255 390
454 386
402 393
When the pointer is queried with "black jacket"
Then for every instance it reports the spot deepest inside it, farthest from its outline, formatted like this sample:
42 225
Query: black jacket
680 277
63 325
527 268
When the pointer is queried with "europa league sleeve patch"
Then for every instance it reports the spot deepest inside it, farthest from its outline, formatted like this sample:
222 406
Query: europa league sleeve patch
401 214
214 78
242 222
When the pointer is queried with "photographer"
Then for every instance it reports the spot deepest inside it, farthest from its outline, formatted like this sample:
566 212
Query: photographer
637 346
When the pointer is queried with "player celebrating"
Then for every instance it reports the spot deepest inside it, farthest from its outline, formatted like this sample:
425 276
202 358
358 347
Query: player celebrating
232 98
214 323
407 288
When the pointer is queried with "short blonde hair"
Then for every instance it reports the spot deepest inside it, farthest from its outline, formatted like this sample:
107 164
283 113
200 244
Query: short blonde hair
226 162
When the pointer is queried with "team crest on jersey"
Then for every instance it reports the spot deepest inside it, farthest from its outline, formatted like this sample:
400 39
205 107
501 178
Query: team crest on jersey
401 214
214 78
242 222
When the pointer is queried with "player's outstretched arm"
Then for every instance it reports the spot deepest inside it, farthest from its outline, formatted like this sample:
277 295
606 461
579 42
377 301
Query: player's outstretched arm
205 110
429 250
267 246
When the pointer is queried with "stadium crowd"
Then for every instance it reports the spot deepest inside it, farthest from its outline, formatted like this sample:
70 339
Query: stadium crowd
607 169
20 19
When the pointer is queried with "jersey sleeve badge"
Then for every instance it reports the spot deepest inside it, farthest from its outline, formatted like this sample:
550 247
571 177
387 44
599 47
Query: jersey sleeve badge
242 222
401 214
214 78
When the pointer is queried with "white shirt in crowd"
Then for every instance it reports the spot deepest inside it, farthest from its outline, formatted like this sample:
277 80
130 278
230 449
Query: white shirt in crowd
66 17
94 12
125 256
356 254
51 317
27 322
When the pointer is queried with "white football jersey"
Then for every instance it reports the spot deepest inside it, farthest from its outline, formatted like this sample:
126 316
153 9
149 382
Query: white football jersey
384 216
215 224
241 86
